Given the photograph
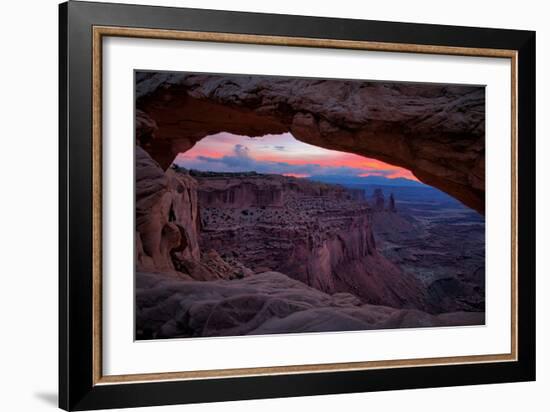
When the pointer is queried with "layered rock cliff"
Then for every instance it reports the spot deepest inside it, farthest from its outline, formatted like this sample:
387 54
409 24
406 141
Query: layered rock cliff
251 189
313 232
436 131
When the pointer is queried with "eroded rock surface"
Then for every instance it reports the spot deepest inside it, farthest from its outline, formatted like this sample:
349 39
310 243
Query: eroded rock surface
266 303
436 131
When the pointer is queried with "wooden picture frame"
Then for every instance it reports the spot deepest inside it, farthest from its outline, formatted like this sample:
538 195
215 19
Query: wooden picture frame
82 384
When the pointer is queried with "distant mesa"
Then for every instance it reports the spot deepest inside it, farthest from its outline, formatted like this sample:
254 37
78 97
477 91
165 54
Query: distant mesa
367 180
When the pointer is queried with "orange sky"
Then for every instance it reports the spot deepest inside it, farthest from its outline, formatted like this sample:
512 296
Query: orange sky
281 154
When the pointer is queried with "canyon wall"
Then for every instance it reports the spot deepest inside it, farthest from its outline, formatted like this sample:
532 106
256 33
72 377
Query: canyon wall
436 131
313 232
251 189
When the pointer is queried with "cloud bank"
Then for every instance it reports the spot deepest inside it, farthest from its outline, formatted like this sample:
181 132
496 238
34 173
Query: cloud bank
242 160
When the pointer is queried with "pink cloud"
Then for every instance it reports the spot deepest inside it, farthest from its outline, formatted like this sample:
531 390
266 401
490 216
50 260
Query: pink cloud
285 149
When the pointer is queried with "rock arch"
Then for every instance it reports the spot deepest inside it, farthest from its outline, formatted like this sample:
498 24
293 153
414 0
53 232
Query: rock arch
436 131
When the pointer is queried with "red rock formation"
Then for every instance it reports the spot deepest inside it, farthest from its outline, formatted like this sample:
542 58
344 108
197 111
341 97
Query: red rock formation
436 131
167 226
236 192
250 189
155 235
315 233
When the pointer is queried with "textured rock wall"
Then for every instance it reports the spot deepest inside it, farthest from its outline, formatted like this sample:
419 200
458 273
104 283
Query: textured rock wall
251 189
168 226
241 194
166 216
436 131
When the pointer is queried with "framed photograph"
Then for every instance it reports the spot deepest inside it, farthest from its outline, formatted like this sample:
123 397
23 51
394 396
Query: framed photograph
257 205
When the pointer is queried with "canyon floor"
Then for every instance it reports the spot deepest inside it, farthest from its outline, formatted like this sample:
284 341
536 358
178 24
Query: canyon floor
437 240
221 254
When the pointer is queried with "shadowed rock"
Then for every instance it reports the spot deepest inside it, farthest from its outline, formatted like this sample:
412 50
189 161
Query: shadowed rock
378 200
267 303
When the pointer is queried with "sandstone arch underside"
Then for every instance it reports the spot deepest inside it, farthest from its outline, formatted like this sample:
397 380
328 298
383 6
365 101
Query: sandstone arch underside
435 131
